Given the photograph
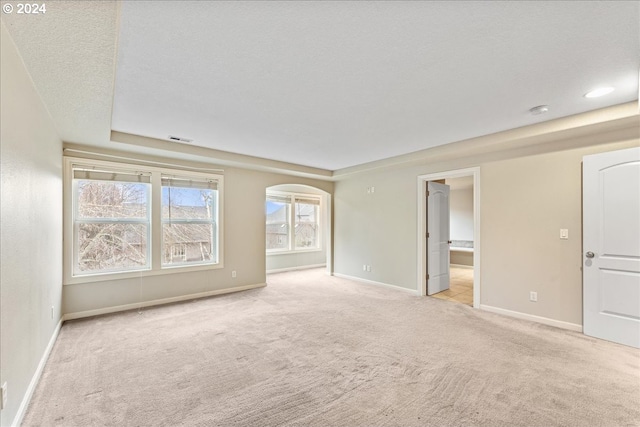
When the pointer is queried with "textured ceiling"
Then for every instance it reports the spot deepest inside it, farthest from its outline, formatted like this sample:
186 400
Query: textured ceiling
323 84
335 84
70 53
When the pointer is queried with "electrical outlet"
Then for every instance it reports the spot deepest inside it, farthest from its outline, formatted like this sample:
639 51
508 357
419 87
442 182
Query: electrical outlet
233 274
533 296
3 393
368 268
364 267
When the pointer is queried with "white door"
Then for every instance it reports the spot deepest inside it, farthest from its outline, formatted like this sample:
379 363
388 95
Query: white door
611 245
438 237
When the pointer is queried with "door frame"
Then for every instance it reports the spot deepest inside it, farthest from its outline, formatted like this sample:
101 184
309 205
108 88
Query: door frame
421 286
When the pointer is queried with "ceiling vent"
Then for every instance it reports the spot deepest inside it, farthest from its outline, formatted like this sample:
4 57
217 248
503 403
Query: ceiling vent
178 139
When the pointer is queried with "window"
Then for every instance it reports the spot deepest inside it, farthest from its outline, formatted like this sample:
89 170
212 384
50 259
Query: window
189 216
286 212
306 221
122 220
278 222
111 221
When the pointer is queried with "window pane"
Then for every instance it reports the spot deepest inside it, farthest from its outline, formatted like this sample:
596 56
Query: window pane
188 243
104 199
306 226
111 247
188 203
277 225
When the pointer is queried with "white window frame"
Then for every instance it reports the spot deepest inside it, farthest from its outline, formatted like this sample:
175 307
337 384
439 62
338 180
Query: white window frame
105 220
292 222
154 242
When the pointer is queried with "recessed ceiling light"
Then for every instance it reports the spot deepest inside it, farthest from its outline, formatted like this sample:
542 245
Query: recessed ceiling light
601 91
540 109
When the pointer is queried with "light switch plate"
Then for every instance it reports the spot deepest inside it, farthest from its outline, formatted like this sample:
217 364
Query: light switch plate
564 233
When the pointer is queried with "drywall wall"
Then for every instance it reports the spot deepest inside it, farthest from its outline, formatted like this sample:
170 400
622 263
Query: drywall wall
527 195
31 232
461 214
243 252
459 257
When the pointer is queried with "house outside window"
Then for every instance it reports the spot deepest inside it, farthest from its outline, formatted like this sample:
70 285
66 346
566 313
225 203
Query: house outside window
189 215
292 222
129 220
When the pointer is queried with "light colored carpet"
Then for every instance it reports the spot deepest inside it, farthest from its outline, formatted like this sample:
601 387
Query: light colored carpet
315 350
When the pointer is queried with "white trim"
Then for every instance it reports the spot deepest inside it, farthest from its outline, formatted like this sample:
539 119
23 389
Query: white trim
299 267
456 249
133 306
371 282
155 224
22 409
533 318
469 267
421 285
275 252
293 195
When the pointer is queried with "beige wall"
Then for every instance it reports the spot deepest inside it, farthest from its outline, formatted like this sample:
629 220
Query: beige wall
31 229
244 251
461 257
525 199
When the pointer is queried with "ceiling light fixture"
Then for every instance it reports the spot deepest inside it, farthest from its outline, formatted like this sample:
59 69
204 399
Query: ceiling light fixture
540 109
601 91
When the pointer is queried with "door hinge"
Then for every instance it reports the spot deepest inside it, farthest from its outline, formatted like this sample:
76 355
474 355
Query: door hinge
427 277
427 193
427 234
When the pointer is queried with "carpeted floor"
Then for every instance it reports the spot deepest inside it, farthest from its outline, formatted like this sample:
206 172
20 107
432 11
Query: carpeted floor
315 350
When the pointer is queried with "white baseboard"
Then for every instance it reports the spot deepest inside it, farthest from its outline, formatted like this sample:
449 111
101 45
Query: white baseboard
539 319
22 409
133 306
300 267
371 282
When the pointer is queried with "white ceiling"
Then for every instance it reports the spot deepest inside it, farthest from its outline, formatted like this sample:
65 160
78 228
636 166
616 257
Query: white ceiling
325 84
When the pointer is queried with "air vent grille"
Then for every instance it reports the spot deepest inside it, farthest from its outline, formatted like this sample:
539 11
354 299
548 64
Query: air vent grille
179 139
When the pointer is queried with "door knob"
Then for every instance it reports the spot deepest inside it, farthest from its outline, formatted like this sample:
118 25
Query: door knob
590 254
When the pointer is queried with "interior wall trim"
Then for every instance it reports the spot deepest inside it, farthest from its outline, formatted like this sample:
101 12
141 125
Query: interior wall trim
22 409
102 156
533 318
161 301
299 267
372 282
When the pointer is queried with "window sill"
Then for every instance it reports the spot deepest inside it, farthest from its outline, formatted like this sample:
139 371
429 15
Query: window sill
106 277
299 251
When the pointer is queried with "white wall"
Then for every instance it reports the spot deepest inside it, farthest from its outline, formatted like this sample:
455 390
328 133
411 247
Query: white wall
527 195
461 214
31 229
244 252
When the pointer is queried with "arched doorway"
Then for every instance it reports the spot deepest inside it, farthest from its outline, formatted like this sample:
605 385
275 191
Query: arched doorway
298 228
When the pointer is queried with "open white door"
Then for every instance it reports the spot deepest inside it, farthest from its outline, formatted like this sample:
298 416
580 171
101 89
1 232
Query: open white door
437 237
611 243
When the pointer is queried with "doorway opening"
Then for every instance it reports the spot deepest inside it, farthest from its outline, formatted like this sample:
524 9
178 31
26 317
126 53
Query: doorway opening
297 228
461 256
